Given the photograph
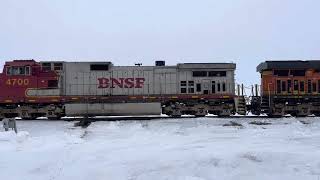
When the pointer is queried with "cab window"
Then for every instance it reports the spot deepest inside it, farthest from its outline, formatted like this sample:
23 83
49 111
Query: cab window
19 70
295 85
301 86
28 70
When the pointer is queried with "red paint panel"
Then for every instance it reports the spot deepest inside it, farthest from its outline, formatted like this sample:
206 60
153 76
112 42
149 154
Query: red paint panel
13 87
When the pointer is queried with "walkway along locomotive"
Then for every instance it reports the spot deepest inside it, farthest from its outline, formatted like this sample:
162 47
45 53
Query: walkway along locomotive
53 89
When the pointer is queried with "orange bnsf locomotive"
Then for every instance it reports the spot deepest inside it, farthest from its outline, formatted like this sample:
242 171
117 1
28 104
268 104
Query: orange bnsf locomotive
31 89
288 87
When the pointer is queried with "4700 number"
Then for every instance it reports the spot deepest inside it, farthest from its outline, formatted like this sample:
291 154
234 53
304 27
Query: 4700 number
17 82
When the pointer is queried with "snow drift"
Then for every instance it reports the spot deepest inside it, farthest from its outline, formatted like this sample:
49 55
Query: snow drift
186 149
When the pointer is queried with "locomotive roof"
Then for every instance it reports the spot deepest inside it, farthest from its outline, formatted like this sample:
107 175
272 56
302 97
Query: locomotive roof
206 65
179 65
20 62
289 64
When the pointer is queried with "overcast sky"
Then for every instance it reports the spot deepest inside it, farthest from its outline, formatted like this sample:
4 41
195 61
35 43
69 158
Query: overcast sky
243 31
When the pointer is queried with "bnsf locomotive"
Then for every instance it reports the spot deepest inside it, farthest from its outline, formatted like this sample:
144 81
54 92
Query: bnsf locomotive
288 87
31 89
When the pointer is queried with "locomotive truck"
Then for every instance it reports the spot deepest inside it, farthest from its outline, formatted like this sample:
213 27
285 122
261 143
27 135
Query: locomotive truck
31 89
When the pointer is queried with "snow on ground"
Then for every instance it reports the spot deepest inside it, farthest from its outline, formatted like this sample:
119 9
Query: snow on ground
174 149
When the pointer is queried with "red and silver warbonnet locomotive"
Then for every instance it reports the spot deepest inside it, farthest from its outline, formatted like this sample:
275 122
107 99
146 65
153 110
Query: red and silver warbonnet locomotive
31 89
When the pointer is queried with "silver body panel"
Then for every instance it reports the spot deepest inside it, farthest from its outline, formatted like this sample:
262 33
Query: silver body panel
100 109
84 79
77 79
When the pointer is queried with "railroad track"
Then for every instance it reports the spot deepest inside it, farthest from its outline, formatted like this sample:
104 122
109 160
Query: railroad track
132 118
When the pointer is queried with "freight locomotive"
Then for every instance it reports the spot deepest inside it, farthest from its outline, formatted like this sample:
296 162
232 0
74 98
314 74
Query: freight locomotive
288 87
31 89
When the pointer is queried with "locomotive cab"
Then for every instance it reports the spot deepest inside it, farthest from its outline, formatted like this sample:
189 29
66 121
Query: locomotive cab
24 85
24 79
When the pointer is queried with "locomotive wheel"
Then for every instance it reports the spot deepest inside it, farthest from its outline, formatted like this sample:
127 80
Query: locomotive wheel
294 114
32 117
